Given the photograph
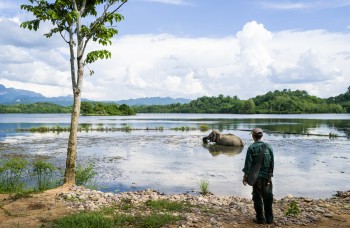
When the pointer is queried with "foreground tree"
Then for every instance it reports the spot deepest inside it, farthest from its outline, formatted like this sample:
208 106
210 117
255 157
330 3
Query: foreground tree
78 22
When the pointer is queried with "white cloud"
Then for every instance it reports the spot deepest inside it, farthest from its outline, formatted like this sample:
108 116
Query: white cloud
249 63
310 68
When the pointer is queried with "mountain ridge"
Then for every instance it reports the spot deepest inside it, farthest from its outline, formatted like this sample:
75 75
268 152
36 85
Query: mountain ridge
10 96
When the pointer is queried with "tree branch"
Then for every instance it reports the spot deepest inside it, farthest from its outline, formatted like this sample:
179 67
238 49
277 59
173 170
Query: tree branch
74 4
64 37
82 9
100 21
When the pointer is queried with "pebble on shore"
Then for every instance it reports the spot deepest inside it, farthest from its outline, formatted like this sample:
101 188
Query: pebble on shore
229 209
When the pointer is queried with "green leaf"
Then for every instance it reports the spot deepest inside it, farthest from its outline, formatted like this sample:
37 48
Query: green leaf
95 55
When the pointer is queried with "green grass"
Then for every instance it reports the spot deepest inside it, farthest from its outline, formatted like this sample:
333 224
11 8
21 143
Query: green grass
84 174
166 205
183 128
86 220
204 187
43 171
293 209
203 127
11 173
44 129
18 175
159 214
126 128
155 220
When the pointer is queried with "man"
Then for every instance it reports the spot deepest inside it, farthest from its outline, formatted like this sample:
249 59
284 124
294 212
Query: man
262 189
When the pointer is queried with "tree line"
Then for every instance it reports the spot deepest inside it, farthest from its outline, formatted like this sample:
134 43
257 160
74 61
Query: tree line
277 102
87 108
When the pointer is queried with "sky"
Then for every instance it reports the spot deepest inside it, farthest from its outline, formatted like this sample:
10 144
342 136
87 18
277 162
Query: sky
191 48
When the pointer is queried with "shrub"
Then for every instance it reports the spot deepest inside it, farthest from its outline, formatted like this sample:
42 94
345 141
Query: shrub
84 174
203 127
293 209
11 175
43 172
204 187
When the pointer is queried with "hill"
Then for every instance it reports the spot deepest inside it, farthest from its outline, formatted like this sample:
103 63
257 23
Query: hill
10 96
277 102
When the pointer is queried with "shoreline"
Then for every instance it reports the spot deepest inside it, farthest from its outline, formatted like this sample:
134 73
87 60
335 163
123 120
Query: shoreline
206 210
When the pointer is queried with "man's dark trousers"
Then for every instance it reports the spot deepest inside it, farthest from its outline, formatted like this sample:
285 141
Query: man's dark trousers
263 198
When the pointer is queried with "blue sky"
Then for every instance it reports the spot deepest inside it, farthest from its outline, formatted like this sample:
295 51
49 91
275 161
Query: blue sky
192 48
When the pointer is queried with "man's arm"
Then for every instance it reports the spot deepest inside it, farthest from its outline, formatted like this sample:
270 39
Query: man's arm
247 165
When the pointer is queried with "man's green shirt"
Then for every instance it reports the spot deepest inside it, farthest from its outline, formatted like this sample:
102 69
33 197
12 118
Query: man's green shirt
252 157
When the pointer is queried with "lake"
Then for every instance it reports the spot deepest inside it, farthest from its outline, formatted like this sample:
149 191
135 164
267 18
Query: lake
307 161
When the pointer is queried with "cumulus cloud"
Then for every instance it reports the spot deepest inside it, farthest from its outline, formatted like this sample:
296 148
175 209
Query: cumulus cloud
251 62
309 68
28 57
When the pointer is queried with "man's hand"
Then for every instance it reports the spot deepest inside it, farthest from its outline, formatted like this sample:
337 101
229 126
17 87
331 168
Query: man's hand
245 181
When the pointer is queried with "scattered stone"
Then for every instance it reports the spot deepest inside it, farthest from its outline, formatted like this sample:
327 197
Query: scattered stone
328 215
308 200
219 211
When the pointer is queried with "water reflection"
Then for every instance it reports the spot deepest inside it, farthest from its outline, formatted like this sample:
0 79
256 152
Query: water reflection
216 150
175 161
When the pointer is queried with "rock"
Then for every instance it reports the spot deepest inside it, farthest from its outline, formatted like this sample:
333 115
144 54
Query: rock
319 210
308 200
220 211
83 197
328 215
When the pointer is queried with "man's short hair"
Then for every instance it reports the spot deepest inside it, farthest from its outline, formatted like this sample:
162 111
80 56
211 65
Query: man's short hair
257 133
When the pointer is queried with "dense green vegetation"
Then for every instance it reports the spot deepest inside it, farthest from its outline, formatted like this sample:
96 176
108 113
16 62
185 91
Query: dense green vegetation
40 107
18 175
342 99
87 108
277 102
102 109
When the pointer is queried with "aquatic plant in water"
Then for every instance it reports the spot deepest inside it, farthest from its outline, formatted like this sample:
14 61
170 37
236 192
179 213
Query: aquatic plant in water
204 187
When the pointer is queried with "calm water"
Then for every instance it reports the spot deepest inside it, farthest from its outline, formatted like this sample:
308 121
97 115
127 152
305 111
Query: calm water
172 161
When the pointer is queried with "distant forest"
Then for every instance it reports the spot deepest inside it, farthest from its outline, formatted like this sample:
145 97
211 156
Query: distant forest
277 102
87 108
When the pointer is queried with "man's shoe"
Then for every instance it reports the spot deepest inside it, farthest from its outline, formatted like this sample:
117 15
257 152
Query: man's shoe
259 221
269 222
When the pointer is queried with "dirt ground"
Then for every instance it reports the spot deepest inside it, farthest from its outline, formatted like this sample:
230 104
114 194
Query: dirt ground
39 209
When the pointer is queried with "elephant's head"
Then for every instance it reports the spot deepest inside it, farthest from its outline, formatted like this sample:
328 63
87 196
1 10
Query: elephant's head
214 136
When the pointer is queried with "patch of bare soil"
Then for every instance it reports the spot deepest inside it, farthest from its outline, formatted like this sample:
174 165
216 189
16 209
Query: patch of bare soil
31 211
39 209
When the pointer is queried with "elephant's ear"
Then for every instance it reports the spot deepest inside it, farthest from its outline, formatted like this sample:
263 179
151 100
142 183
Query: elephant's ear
215 136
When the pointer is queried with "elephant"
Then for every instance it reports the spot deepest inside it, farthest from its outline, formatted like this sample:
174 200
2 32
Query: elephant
223 139
216 150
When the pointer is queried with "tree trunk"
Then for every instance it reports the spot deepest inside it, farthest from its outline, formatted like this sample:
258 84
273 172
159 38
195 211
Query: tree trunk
69 176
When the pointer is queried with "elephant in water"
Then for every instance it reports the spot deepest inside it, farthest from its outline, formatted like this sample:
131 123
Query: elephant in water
223 139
